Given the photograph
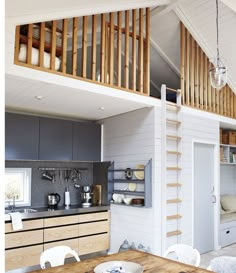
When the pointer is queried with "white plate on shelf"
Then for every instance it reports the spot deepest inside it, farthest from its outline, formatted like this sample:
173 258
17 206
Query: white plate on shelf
139 174
118 267
132 186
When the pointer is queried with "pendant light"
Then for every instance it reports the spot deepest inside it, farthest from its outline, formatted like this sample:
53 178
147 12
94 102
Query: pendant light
217 71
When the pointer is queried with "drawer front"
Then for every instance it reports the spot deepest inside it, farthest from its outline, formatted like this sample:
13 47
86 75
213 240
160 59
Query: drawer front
22 257
60 233
93 216
73 243
228 236
23 238
94 243
32 224
59 221
92 228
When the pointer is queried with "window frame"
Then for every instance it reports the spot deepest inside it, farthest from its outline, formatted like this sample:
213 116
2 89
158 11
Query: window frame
27 174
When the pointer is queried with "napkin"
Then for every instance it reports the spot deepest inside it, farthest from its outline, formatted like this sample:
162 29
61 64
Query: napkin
16 220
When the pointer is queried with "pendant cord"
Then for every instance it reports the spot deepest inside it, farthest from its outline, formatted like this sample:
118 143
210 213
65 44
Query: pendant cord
217 34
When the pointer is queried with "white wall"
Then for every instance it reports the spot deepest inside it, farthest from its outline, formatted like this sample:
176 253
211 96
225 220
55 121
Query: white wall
130 139
227 179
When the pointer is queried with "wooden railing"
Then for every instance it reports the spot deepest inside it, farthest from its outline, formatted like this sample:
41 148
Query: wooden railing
111 49
196 88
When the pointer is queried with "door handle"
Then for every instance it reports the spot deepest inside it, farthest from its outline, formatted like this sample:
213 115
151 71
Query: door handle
213 199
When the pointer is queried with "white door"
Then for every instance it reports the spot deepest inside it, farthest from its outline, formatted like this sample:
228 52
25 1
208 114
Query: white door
203 197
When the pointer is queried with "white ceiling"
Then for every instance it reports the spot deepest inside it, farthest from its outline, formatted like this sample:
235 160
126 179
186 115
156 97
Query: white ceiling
198 16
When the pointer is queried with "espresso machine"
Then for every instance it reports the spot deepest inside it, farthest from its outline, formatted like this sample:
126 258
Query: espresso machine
86 196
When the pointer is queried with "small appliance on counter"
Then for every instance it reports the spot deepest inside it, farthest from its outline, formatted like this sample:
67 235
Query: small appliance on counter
67 198
53 200
86 196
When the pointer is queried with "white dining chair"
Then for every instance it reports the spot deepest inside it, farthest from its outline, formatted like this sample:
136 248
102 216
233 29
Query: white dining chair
223 264
184 253
56 256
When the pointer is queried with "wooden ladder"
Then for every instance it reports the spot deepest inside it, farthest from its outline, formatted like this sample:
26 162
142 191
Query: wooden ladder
171 168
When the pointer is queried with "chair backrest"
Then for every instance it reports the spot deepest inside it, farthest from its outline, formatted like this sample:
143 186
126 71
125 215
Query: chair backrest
184 253
223 264
56 256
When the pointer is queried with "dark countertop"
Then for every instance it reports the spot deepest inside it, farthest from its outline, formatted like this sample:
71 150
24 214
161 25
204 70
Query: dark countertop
46 212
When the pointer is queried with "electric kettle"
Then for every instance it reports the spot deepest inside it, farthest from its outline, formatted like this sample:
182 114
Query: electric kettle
53 200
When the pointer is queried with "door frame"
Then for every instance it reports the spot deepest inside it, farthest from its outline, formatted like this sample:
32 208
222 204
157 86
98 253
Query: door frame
216 185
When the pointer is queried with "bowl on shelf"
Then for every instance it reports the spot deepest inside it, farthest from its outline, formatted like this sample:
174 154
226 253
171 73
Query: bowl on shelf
137 201
127 200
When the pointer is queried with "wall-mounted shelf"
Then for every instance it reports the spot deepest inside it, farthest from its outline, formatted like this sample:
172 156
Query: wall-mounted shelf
119 184
227 154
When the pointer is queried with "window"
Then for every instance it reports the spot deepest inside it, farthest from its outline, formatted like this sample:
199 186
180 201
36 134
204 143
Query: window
18 186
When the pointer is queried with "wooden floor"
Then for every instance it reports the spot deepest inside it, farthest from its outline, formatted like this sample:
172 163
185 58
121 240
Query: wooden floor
226 251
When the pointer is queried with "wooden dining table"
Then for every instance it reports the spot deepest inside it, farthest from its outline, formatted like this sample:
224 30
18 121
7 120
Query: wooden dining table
151 264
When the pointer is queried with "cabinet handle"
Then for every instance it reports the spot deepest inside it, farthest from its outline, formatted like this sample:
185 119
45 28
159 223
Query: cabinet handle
228 231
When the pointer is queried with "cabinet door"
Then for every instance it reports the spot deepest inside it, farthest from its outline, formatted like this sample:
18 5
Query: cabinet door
55 139
21 136
86 141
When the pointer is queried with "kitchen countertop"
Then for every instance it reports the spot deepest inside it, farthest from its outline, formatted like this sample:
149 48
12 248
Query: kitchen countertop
46 212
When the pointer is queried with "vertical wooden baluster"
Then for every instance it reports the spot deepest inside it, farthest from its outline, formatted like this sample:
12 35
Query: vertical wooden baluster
234 106
111 49
64 46
205 84
201 78
53 45
147 54
74 45
118 69
106 77
228 109
231 102
126 76
94 46
182 61
196 78
210 98
222 100
17 44
84 46
102 48
140 52
217 99
187 69
192 70
41 44
29 44
134 63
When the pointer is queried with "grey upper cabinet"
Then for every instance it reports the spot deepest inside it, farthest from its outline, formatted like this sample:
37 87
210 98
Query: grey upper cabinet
86 141
21 136
55 139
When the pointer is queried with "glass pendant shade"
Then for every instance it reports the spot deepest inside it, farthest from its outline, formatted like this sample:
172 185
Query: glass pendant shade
218 75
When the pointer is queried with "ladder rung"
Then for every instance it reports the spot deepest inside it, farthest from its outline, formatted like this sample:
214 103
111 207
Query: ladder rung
173 233
173 90
173 217
172 201
172 104
173 185
173 137
173 121
173 152
173 169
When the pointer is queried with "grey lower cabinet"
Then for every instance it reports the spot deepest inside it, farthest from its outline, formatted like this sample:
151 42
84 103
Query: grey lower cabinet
86 141
21 137
55 139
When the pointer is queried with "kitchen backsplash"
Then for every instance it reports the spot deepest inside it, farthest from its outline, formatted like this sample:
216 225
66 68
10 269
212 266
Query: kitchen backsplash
40 187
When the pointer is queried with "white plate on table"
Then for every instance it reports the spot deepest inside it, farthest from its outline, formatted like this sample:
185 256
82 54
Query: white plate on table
120 266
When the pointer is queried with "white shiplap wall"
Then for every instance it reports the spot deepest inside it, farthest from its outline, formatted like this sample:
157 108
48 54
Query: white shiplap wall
227 179
195 129
131 139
